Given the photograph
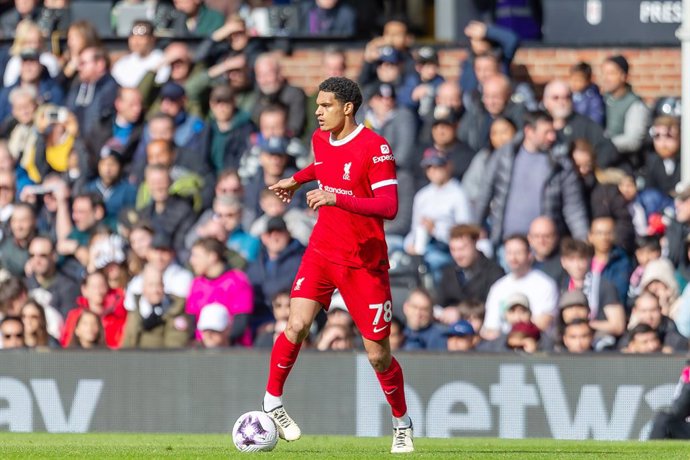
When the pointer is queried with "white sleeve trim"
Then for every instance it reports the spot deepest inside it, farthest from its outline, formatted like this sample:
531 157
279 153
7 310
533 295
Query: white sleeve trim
383 183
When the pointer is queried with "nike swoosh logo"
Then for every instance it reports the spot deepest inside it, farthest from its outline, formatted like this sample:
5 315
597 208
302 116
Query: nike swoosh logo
390 392
285 367
316 163
379 329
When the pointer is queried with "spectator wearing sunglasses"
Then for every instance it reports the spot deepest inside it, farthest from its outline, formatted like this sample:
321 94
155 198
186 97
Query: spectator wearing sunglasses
662 165
11 333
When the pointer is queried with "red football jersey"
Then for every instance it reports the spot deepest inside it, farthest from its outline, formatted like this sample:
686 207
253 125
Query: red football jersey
356 165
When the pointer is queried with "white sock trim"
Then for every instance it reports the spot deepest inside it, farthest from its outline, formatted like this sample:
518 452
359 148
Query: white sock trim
271 402
402 422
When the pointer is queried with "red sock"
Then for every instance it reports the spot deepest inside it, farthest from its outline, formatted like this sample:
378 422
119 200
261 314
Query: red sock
283 357
393 387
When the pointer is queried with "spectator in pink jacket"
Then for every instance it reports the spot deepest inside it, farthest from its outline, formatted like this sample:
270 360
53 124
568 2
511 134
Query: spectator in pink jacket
215 282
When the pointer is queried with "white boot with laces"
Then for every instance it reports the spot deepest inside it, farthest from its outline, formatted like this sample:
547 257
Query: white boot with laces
287 428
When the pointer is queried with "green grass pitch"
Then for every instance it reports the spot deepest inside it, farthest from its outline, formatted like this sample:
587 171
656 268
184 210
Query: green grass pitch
153 446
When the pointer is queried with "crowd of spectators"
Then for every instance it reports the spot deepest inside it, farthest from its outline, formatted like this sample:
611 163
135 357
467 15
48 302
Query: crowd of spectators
134 210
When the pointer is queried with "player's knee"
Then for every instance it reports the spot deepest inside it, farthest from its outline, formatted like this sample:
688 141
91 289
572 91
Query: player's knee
380 359
297 328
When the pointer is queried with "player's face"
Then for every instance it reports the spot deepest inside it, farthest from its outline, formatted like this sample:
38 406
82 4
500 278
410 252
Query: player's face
330 112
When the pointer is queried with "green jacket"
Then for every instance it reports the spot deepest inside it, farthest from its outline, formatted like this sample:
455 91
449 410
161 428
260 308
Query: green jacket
175 331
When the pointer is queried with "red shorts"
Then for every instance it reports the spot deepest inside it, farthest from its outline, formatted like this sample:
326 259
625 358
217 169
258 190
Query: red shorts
367 293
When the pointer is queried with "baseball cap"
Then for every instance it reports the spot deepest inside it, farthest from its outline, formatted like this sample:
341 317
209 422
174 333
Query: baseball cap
426 54
173 91
433 157
213 317
461 328
276 224
443 114
29 54
390 55
385 90
515 299
142 28
572 298
112 148
620 61
162 240
274 145
681 191
527 328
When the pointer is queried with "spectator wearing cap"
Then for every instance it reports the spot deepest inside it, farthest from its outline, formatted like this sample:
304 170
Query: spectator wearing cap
539 288
389 69
187 126
523 336
214 325
327 18
444 138
28 35
32 75
544 242
227 213
125 124
217 282
570 125
529 179
644 339
42 273
274 163
486 39
194 18
116 191
517 313
437 207
461 336
159 13
14 248
272 88
578 337
275 268
23 10
471 274
647 310
396 34
107 304
228 129
606 311
495 101
603 199
627 116
418 91
167 212
421 332
143 56
155 318
662 165
93 94
397 124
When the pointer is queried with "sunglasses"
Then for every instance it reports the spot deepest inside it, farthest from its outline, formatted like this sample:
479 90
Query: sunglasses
15 336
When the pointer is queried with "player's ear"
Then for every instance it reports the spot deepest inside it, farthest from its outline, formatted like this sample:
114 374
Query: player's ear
348 108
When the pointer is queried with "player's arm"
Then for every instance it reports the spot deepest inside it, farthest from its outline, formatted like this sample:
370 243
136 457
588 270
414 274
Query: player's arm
286 188
384 203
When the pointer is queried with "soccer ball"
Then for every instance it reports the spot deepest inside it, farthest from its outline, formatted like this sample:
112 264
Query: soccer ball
254 432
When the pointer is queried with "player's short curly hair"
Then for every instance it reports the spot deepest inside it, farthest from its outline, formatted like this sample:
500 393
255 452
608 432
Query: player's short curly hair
344 89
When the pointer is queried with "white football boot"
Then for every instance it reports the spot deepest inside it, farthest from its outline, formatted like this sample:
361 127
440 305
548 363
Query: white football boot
287 428
402 440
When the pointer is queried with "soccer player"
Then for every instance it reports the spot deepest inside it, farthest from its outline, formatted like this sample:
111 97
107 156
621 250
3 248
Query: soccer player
355 170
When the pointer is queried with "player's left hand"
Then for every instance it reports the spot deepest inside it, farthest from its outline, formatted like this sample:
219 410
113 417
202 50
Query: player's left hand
318 198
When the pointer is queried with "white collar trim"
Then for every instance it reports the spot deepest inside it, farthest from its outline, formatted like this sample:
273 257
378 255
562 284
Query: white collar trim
346 139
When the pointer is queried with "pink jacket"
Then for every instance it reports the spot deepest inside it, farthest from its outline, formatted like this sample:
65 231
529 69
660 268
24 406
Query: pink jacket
231 289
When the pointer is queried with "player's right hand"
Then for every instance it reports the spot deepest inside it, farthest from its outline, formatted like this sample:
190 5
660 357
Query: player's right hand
285 188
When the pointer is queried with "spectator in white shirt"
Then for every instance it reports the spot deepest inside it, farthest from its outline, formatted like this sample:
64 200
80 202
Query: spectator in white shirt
129 70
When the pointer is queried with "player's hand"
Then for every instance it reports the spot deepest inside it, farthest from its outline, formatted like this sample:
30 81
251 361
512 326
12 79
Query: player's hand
318 198
285 189
475 30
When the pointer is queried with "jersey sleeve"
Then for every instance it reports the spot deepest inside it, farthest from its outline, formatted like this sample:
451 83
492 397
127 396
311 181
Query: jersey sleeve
381 170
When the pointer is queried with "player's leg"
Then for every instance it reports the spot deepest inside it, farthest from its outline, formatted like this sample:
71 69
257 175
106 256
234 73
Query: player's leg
283 358
368 298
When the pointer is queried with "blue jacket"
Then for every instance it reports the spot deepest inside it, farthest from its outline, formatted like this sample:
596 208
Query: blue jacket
506 40
617 271
102 104
48 92
120 196
410 82
430 338
590 104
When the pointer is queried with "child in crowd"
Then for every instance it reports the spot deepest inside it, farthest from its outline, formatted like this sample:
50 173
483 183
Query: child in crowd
587 99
